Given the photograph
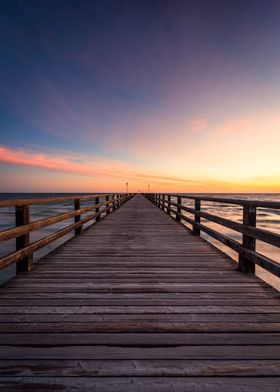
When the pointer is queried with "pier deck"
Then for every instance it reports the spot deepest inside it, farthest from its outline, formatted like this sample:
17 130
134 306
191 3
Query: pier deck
137 303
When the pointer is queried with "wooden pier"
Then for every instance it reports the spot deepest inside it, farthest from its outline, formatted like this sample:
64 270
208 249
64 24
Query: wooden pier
137 303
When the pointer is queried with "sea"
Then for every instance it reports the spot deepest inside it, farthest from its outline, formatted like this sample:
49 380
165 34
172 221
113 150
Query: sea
268 219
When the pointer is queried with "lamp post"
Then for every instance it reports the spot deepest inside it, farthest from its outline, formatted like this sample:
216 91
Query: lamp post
126 185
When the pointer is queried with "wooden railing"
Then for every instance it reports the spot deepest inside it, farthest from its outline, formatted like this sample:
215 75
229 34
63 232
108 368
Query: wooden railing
23 255
248 257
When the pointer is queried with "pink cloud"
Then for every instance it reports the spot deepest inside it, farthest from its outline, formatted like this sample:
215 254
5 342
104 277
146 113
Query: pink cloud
234 125
42 160
199 124
101 168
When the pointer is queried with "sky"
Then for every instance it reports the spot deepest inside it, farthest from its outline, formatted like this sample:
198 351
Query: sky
181 95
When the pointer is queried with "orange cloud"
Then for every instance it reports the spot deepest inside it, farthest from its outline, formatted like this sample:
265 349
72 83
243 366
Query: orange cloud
46 161
199 124
98 168
108 175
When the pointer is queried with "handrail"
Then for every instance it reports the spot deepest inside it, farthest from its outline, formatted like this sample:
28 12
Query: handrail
240 202
44 200
248 256
23 256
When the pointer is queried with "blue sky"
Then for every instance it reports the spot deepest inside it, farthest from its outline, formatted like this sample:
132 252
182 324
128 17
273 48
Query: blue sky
136 90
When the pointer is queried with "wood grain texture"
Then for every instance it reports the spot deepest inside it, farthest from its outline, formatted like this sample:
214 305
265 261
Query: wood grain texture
137 303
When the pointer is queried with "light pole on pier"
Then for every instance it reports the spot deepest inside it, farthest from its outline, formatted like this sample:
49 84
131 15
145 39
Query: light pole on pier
149 188
126 185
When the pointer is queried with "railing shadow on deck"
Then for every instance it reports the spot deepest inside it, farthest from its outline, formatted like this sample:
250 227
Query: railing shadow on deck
248 256
23 255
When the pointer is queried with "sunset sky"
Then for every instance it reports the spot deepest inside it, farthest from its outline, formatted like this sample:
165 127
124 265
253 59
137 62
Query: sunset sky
182 95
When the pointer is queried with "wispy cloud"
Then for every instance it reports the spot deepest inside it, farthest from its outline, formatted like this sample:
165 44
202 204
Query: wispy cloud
102 169
199 124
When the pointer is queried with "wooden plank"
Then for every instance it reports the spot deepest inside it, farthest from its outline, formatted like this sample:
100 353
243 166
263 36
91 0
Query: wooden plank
143 318
148 309
116 352
149 278
143 327
126 384
140 368
139 339
260 296
141 288
57 301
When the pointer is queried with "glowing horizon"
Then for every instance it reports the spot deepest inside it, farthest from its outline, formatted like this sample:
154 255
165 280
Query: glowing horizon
188 103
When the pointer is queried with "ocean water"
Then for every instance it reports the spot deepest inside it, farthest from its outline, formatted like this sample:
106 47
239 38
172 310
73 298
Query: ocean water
268 219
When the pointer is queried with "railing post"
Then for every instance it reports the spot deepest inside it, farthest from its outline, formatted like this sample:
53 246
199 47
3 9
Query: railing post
113 202
108 205
97 209
77 206
22 218
178 218
197 204
169 206
249 219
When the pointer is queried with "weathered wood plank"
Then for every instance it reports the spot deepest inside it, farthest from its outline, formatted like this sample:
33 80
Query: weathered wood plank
140 368
9 302
127 384
143 318
139 339
143 327
141 288
142 310
143 295
116 352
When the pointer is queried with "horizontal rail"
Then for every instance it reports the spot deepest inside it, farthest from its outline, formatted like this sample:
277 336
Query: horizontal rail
240 202
44 200
258 234
23 255
248 256
255 257
21 230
